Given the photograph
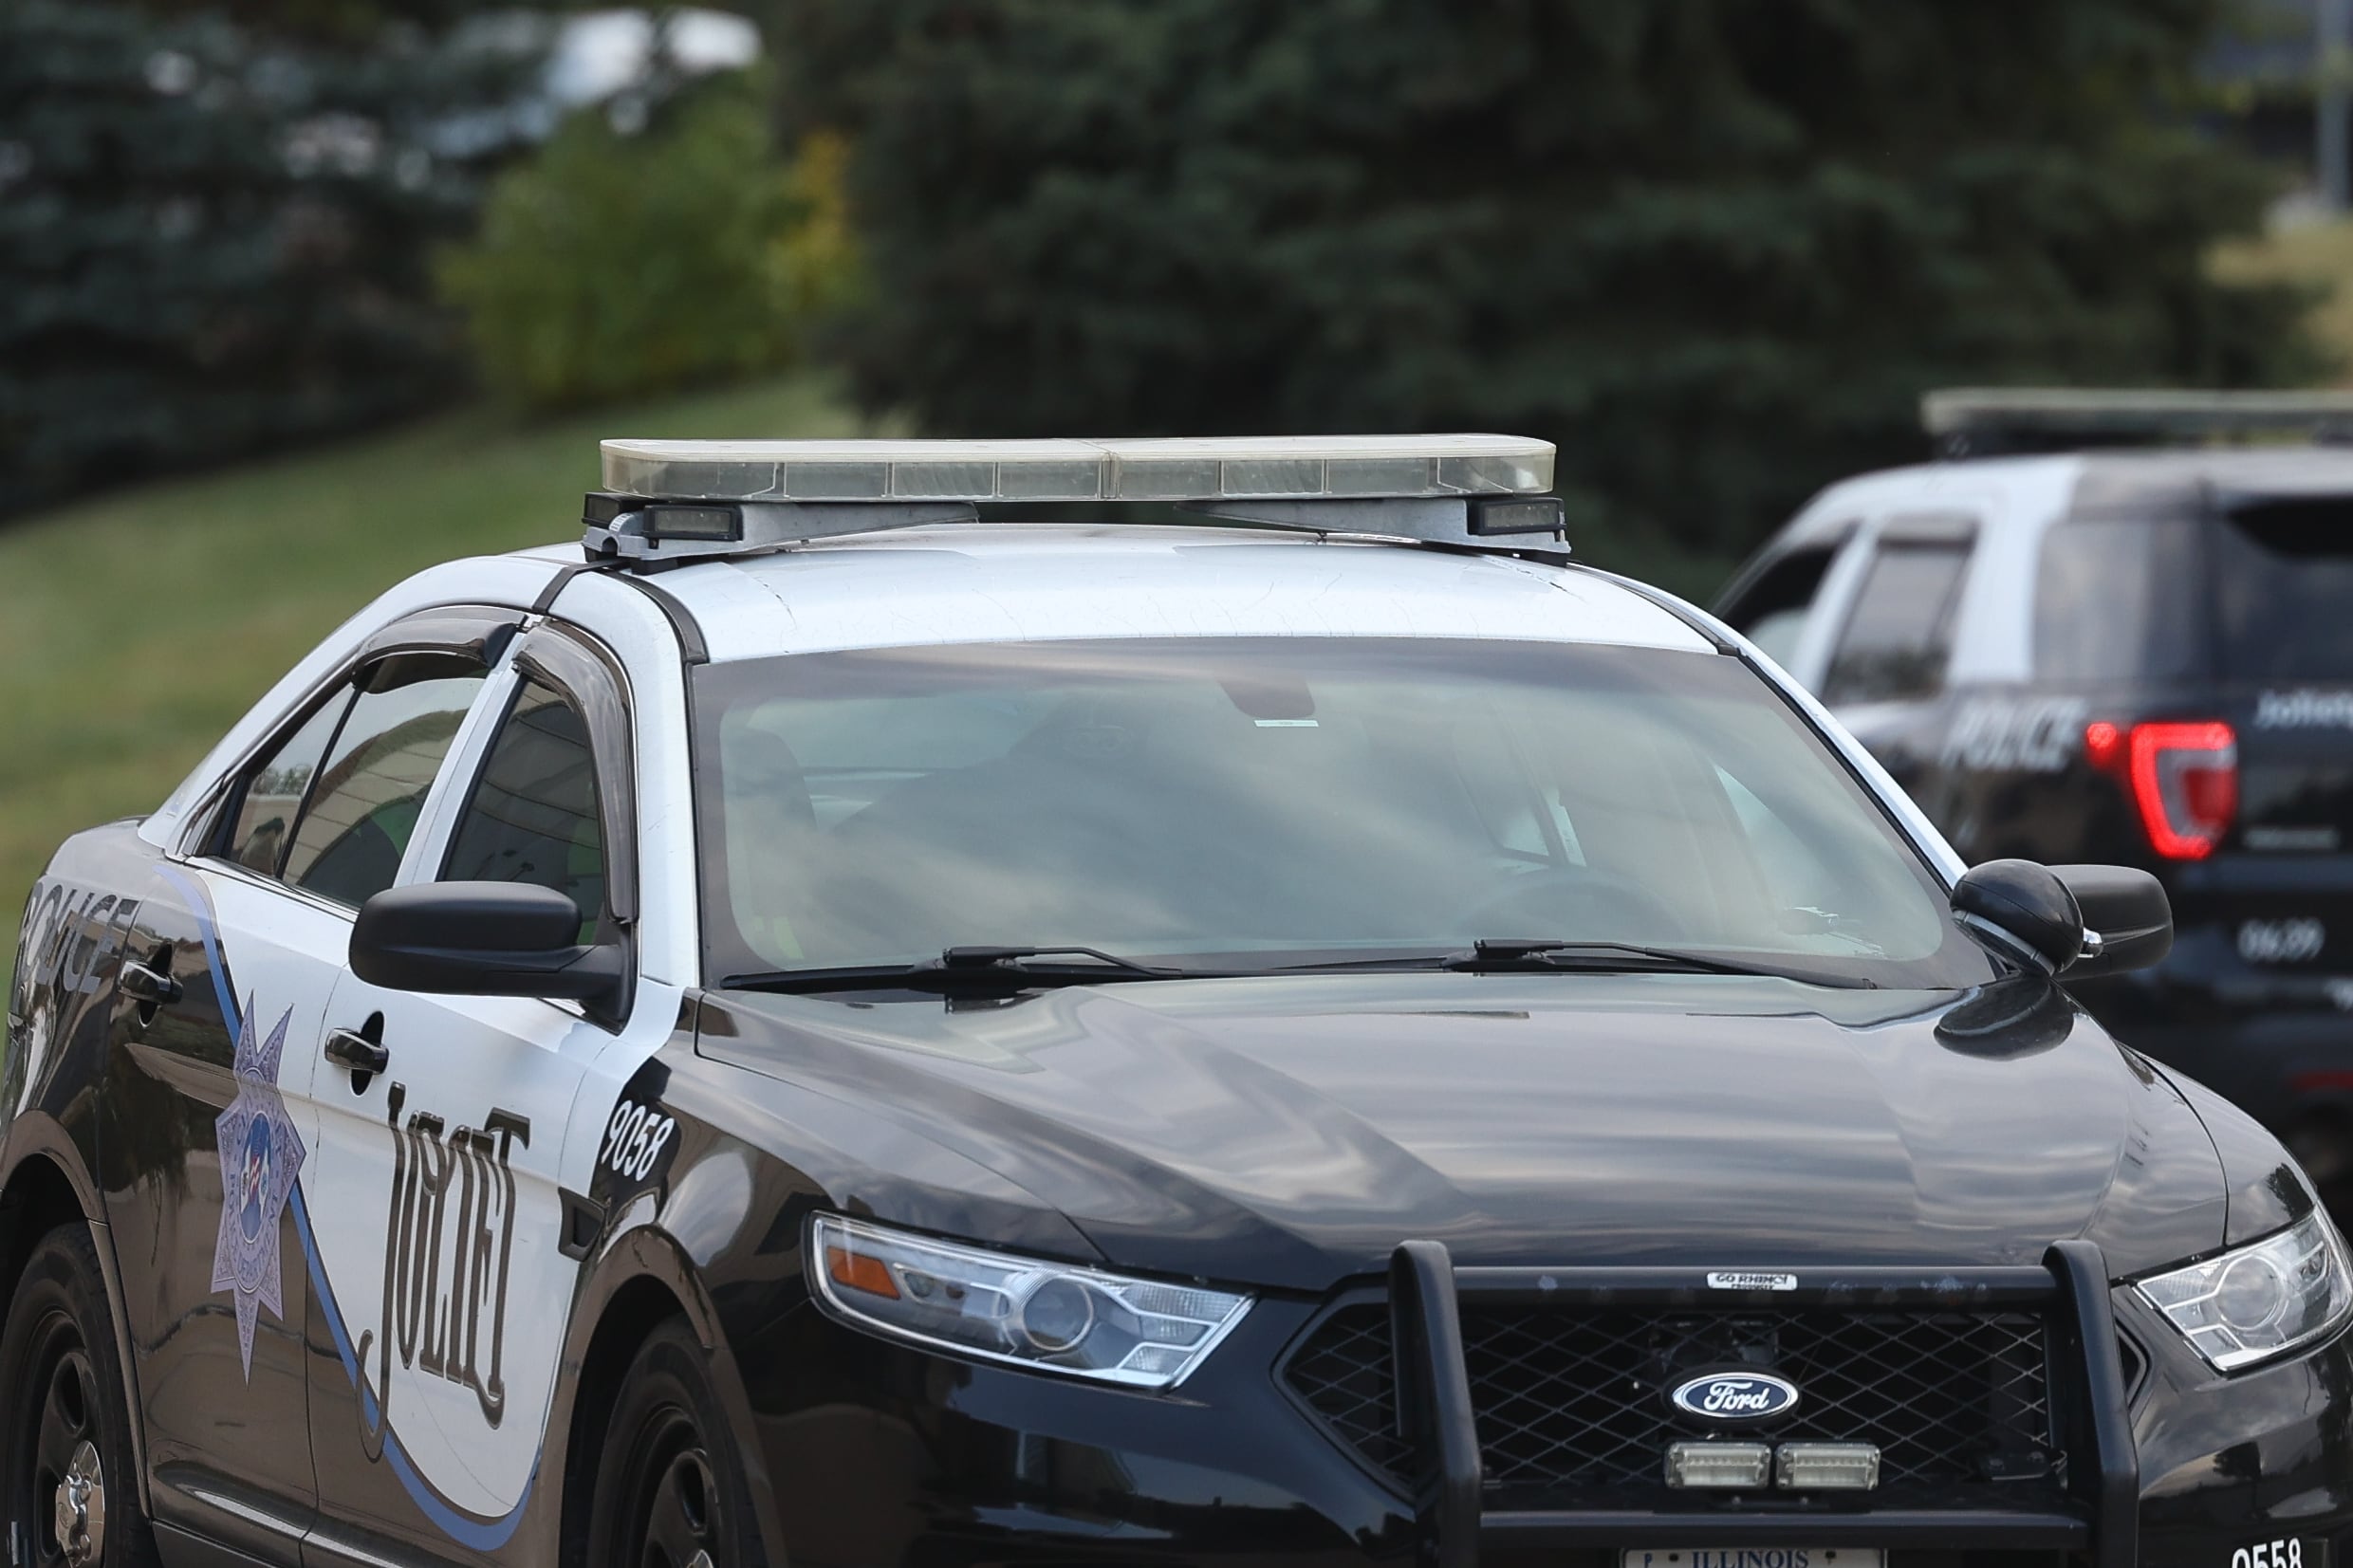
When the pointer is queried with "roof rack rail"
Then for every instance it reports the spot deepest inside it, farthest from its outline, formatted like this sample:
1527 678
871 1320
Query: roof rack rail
667 502
1998 421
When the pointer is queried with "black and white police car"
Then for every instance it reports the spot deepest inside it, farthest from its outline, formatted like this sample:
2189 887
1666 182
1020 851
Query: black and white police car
826 1029
2093 635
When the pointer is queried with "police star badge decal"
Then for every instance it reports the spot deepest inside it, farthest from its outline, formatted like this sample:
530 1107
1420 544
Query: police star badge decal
260 1156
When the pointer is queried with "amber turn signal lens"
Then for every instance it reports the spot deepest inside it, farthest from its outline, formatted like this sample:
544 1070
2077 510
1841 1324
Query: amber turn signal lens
860 1272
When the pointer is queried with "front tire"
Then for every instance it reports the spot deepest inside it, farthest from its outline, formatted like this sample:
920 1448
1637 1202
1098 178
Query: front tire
670 1487
68 1491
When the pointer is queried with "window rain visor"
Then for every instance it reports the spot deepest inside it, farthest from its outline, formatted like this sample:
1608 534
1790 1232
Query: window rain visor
1261 803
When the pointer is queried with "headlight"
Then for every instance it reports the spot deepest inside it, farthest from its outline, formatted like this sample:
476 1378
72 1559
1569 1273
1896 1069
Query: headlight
1048 1316
2262 1300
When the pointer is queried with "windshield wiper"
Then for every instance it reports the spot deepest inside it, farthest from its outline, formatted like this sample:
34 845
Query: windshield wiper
969 968
995 970
1517 955
1492 954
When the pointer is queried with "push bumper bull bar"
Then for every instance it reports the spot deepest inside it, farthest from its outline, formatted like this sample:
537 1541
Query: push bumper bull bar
1426 1291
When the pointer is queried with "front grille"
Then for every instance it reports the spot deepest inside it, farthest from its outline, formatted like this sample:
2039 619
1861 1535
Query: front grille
1568 1401
1345 1374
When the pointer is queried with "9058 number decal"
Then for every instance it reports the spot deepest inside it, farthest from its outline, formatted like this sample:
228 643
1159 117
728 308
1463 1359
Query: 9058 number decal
634 1139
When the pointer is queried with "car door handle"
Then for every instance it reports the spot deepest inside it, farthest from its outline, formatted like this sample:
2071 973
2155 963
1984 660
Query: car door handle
147 985
356 1052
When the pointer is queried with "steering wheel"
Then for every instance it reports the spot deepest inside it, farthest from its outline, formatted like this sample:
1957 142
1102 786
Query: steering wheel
1576 904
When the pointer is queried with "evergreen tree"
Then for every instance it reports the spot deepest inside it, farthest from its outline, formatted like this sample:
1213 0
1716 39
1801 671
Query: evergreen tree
1716 248
355 23
211 242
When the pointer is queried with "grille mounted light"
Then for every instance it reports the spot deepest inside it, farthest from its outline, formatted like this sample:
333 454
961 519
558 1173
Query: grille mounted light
1826 1467
1719 1466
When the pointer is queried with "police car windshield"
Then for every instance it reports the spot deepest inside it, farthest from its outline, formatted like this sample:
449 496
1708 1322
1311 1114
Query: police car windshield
1233 803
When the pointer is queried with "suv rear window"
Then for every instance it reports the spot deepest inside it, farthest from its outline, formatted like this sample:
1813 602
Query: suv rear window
2115 599
2283 575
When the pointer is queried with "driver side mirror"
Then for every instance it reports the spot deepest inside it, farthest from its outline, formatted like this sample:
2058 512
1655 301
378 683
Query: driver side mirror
2127 910
483 939
2083 921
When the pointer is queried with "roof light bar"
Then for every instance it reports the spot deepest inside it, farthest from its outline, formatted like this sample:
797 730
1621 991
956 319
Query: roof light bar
1979 420
1211 469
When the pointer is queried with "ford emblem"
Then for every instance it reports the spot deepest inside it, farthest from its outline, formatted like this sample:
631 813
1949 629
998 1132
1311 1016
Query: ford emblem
1734 1397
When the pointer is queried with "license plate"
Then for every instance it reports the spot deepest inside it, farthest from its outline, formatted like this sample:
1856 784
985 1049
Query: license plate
1754 1556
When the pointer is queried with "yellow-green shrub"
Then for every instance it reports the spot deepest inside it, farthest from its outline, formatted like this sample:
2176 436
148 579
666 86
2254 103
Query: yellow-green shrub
613 265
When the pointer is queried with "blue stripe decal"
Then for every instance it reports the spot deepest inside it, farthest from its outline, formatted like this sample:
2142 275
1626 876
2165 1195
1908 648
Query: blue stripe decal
463 1528
479 1535
200 905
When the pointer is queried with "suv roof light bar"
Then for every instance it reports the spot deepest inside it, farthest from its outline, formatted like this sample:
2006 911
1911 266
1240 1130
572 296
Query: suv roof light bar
1987 421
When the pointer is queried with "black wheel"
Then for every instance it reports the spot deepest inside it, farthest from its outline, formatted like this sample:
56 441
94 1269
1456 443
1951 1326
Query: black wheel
68 1488
670 1489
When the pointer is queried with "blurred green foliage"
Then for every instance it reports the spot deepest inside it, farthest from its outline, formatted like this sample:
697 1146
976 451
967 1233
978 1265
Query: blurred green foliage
1716 248
616 264
351 21
213 241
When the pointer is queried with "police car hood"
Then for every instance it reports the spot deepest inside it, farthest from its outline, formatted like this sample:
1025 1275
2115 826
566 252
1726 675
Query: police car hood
1293 1132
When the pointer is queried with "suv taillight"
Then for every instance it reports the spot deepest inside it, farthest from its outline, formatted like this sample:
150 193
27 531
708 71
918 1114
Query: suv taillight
2184 779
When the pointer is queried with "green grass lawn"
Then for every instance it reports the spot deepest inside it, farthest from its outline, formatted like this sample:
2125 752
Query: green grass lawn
136 628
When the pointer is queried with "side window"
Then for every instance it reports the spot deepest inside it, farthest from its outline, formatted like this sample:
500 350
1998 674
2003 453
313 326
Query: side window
2116 600
273 792
533 815
1769 608
364 802
1899 635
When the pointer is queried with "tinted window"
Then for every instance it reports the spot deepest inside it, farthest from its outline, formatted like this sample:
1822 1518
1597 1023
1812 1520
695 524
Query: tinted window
1900 632
273 792
532 817
2115 600
2283 575
1287 800
364 805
